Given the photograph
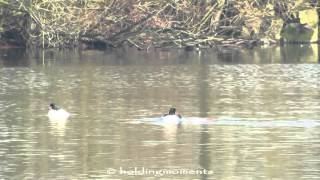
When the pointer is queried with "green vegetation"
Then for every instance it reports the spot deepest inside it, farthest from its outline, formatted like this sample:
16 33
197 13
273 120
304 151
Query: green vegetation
155 23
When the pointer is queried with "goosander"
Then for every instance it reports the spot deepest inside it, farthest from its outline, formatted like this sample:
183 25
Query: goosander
172 117
56 113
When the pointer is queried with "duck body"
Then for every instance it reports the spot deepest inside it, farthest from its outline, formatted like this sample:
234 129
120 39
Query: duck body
56 113
171 119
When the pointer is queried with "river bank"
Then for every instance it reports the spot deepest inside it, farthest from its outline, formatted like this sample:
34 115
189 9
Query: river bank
156 24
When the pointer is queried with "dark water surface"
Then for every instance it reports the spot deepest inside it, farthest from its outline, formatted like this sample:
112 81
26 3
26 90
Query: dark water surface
256 96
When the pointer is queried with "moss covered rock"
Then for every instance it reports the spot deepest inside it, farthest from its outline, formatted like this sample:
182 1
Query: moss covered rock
304 32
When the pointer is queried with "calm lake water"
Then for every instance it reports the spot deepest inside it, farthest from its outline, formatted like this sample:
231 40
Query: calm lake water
264 102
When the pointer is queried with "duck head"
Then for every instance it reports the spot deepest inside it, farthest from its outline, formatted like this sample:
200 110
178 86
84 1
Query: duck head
53 106
172 111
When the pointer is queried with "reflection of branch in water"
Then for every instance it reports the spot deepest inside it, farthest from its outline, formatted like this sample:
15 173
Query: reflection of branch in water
204 155
203 90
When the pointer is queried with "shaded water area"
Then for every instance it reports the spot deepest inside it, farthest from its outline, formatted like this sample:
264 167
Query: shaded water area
255 98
